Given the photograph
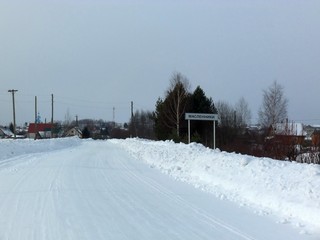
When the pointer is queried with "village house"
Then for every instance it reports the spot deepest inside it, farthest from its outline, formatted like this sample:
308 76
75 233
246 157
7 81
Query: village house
290 133
5 132
73 131
39 130
285 140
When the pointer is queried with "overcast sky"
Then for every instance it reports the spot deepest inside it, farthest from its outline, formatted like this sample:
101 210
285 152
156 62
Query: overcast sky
95 55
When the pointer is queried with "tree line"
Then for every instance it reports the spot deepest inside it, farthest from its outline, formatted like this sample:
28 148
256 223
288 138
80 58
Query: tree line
167 121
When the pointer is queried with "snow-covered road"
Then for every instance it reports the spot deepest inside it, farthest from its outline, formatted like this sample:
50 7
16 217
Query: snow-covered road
95 190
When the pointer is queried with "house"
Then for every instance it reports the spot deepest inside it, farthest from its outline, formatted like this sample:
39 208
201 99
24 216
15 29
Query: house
5 132
285 140
39 130
73 131
290 133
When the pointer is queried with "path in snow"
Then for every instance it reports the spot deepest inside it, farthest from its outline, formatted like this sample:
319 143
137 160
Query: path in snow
97 191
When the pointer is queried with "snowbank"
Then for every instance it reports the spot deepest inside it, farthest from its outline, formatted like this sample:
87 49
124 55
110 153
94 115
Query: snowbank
288 190
10 148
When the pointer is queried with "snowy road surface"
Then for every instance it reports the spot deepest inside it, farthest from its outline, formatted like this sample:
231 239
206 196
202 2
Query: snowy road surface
95 190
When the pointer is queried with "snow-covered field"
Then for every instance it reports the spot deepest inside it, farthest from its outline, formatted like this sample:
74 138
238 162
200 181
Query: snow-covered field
85 189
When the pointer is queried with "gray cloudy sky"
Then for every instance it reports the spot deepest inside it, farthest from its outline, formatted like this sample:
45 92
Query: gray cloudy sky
94 55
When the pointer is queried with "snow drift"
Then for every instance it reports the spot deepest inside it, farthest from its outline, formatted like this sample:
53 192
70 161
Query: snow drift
288 190
13 148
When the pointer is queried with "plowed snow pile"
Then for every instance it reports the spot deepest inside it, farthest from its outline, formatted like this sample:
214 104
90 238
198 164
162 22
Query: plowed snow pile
10 148
288 190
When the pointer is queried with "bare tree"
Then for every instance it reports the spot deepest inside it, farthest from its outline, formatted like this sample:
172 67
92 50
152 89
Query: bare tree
243 113
226 114
67 118
176 100
274 106
142 124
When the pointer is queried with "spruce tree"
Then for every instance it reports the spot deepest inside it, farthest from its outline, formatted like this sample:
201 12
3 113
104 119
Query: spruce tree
86 133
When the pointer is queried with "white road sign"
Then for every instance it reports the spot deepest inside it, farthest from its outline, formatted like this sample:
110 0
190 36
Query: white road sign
202 116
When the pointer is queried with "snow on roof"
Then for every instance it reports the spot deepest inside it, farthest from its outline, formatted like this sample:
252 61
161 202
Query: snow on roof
6 131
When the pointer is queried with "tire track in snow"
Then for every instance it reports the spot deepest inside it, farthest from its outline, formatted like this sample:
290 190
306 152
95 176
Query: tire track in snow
201 215
120 200
29 201
11 196
139 205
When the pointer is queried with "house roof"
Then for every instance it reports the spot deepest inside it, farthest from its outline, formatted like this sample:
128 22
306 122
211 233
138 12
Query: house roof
68 131
6 131
41 127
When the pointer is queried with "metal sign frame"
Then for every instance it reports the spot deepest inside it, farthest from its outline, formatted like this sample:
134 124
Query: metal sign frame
202 117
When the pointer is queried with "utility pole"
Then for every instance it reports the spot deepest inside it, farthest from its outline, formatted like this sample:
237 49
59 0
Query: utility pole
51 115
114 117
133 124
131 109
35 118
12 91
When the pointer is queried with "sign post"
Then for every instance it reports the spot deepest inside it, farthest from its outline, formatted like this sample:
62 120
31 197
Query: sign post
203 117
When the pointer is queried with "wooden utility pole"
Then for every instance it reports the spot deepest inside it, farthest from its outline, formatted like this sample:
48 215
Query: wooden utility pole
35 118
77 121
12 91
131 109
132 121
51 115
114 117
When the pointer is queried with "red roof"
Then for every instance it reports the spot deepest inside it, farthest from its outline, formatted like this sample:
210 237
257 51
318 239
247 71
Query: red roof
41 127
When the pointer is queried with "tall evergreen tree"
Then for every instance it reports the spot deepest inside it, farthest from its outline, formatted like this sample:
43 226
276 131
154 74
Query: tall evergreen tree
86 133
200 103
161 128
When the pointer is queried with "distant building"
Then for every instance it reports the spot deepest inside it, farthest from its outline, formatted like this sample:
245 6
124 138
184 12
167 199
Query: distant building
73 131
5 133
292 133
39 130
289 129
285 140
